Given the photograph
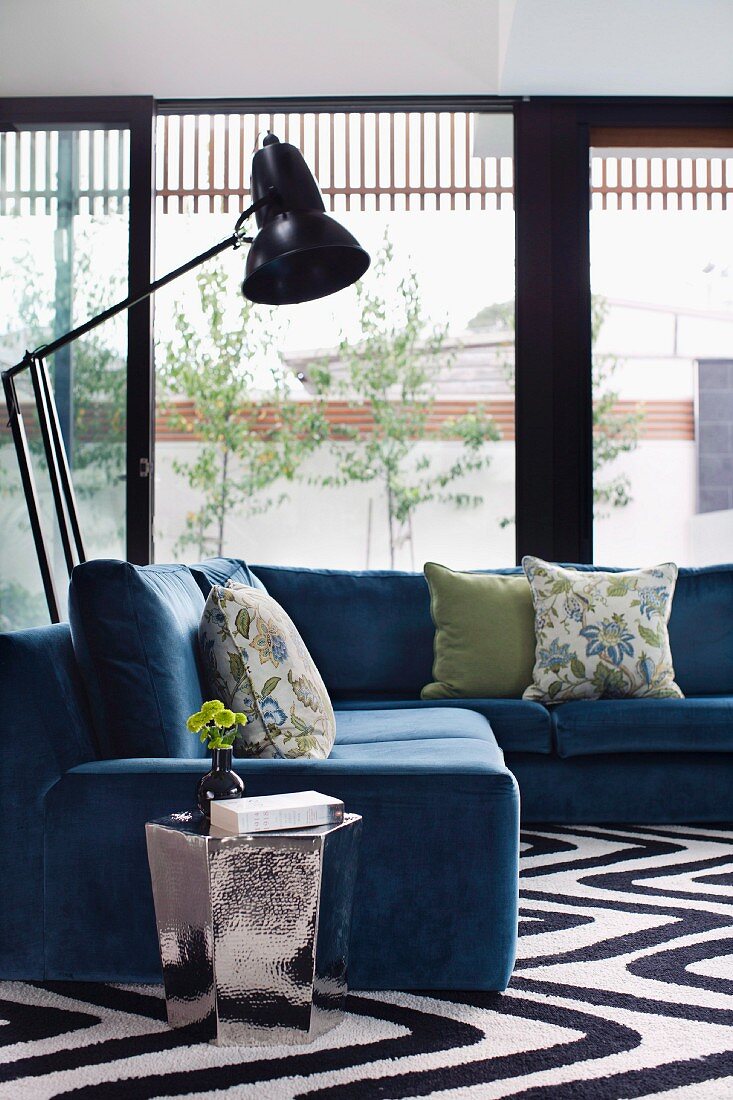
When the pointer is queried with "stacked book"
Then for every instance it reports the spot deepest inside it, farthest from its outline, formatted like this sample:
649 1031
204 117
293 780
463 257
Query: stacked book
275 813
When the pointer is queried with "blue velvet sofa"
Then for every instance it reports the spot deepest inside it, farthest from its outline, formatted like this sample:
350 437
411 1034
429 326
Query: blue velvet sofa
636 760
95 744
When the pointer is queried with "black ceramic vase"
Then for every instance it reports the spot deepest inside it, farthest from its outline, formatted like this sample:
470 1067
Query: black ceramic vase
221 782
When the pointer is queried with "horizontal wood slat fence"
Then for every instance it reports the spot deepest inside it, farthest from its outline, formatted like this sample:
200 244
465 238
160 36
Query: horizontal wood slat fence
662 420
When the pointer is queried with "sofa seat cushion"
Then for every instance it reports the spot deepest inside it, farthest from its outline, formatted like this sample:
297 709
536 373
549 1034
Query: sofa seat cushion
697 724
517 725
374 725
134 631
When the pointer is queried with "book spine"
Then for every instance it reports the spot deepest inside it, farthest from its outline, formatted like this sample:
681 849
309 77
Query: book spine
263 821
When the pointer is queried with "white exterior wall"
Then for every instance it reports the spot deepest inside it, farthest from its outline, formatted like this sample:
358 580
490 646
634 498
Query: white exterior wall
656 525
328 527
712 537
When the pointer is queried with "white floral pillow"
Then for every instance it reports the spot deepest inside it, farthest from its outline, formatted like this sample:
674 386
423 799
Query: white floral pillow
257 662
601 634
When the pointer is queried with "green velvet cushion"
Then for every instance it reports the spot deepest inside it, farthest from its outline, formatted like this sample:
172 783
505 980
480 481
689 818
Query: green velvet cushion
484 635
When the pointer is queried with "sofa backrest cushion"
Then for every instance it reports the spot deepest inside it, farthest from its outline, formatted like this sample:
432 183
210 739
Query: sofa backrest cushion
213 571
134 630
701 630
368 632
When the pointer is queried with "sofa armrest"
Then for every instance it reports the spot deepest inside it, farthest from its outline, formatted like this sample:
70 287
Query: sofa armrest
45 731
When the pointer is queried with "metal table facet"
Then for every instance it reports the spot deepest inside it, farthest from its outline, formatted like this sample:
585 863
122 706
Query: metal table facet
253 930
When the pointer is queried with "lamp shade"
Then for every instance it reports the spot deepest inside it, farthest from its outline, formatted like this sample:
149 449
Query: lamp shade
300 253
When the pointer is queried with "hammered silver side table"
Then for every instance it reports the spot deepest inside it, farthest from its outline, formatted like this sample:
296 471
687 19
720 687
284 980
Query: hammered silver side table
253 930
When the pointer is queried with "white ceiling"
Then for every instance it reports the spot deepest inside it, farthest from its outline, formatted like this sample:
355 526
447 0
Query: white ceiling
235 48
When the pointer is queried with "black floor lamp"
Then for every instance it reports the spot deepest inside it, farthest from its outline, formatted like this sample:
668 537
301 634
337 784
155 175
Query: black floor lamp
299 254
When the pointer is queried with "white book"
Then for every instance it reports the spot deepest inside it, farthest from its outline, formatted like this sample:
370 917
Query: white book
275 812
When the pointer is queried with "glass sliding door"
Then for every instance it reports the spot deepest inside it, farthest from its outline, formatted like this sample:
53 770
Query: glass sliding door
371 429
661 227
74 196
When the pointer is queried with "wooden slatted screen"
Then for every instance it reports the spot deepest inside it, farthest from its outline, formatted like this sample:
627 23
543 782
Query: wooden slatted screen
29 161
369 161
363 161
402 161
656 183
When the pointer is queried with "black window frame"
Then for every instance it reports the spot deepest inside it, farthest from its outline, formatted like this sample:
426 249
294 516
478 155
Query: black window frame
136 114
488 104
553 411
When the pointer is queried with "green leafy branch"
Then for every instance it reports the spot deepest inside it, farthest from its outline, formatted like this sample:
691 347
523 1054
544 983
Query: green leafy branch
252 434
392 370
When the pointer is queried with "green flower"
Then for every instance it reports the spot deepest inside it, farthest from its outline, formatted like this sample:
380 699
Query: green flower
212 721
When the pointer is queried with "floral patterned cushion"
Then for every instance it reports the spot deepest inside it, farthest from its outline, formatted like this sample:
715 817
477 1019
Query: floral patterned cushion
257 662
601 635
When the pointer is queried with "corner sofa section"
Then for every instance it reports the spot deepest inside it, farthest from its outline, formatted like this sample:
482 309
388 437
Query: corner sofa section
436 897
107 700
608 761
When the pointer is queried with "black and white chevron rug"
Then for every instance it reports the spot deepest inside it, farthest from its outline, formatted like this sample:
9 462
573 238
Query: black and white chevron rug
623 988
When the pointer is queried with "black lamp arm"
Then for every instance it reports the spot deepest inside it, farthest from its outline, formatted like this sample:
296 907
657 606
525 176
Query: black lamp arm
236 239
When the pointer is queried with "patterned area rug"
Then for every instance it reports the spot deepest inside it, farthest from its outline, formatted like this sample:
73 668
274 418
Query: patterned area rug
623 988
